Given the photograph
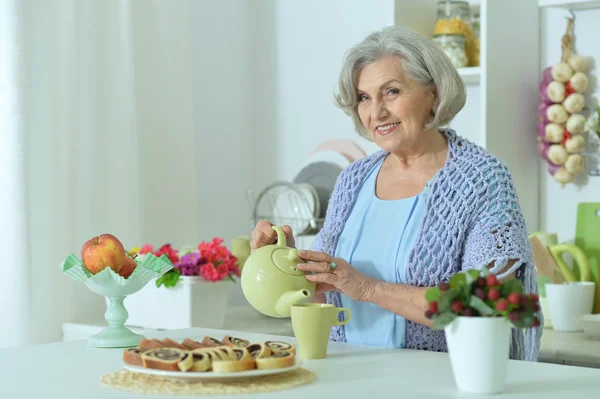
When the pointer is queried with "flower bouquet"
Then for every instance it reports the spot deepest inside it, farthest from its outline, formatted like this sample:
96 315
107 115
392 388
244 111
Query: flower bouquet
198 287
477 313
210 259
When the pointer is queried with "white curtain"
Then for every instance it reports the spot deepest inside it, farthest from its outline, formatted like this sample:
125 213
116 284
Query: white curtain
96 136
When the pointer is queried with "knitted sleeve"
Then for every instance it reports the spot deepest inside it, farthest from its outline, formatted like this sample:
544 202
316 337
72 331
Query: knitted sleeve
498 235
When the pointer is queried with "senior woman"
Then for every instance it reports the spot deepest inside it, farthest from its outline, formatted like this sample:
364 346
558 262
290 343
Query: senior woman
428 205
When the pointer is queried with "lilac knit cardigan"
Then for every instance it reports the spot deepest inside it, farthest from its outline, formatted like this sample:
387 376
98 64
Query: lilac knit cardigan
472 219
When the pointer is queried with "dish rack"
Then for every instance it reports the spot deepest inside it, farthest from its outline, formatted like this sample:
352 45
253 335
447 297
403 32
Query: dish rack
286 203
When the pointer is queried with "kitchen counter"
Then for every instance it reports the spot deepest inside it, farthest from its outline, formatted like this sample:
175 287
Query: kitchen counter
570 348
73 370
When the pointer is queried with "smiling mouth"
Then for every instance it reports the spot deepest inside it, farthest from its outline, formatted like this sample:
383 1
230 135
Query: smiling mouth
386 128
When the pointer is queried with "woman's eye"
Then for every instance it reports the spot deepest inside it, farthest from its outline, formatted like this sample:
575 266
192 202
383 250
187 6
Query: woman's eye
362 98
393 91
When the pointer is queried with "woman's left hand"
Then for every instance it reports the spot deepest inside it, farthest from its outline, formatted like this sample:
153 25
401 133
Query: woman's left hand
343 276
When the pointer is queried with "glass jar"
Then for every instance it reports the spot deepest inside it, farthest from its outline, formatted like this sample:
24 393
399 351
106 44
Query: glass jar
454 17
474 57
454 47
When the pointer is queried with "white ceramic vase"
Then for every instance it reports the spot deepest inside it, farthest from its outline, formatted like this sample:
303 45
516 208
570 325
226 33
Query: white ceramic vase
479 351
193 302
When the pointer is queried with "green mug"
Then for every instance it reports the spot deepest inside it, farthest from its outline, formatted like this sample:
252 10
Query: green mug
312 323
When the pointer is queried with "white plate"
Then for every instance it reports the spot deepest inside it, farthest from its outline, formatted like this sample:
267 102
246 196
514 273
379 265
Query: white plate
191 376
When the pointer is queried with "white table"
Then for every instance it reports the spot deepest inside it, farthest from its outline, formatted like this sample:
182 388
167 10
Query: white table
73 370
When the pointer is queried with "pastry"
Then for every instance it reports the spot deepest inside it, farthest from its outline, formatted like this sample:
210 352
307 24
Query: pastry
201 361
259 350
150 343
209 342
242 354
191 344
279 346
172 359
215 354
231 366
276 360
234 342
169 343
133 356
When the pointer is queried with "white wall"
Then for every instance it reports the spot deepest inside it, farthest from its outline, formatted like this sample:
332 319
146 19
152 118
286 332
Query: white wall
300 76
558 206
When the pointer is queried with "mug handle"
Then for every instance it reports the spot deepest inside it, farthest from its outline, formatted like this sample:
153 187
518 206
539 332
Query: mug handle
337 322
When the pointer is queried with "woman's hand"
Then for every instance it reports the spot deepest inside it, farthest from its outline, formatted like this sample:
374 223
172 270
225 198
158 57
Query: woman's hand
344 278
263 234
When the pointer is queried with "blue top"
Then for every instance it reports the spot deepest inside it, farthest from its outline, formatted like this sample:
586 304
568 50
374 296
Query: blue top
376 240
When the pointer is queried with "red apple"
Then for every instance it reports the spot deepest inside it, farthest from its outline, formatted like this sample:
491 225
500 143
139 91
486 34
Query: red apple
128 267
103 251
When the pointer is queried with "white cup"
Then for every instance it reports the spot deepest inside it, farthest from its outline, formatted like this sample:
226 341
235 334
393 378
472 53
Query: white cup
568 302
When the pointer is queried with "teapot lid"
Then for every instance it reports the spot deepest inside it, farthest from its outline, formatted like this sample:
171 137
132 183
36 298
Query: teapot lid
286 260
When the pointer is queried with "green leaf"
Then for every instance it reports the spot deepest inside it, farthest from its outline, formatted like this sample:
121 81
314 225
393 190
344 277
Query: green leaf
471 277
458 281
446 300
480 306
433 294
169 279
443 320
512 285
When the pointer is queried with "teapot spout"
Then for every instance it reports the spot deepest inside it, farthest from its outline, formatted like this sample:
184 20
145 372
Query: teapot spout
283 307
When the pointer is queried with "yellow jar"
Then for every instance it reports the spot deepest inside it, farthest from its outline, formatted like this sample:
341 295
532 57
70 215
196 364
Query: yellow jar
454 17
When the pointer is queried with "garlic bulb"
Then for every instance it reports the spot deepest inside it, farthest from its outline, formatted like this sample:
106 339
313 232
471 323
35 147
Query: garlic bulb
555 133
578 63
562 72
556 91
563 176
557 113
576 123
579 82
574 163
557 154
575 144
574 103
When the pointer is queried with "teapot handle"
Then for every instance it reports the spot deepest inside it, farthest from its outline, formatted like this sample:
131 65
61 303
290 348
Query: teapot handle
281 240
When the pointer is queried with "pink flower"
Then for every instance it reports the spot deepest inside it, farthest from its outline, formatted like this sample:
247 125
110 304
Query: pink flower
146 249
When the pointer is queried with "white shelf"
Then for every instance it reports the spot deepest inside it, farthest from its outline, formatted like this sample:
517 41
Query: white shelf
470 75
570 4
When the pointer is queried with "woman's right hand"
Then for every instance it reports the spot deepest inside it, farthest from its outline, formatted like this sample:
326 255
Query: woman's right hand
263 234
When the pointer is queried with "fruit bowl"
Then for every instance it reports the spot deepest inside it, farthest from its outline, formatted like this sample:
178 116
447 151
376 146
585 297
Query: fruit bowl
116 287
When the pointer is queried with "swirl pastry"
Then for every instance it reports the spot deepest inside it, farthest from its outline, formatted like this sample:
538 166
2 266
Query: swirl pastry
209 342
169 343
242 354
276 360
243 361
279 346
259 350
201 361
150 344
133 356
191 344
168 359
234 342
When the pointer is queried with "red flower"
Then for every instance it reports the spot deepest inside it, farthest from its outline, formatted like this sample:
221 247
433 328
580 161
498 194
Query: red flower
209 272
169 251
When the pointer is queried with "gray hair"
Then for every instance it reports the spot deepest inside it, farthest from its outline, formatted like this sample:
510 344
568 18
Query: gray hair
423 60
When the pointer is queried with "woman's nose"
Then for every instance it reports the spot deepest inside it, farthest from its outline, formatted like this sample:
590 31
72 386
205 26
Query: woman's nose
379 110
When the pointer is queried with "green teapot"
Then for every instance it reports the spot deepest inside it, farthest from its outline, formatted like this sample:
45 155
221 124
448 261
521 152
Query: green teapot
271 282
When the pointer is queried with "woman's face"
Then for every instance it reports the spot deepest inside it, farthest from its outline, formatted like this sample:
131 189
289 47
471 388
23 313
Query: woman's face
392 107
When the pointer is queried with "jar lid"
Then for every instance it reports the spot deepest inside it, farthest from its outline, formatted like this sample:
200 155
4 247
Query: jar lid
455 35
